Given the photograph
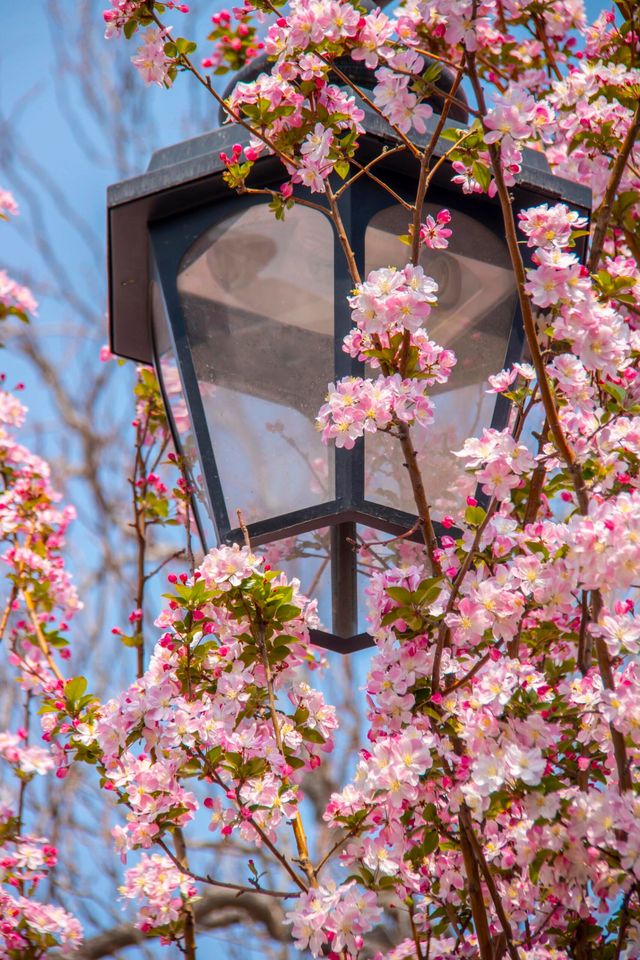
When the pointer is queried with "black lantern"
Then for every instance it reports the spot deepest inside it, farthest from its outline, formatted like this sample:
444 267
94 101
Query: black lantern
243 318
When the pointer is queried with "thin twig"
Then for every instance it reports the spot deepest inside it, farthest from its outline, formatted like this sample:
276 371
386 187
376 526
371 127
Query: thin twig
42 640
244 528
384 153
603 215
212 882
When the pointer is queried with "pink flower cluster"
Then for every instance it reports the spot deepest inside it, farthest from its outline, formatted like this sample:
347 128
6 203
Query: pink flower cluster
334 917
150 59
277 102
234 44
598 333
549 227
119 14
498 461
311 24
355 406
8 204
391 300
434 232
122 12
28 927
144 737
160 891
393 96
15 298
26 758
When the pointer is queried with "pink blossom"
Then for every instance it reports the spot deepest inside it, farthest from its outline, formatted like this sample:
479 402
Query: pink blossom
150 59
434 233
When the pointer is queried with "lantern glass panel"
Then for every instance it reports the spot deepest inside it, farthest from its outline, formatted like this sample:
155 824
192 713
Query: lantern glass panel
308 557
473 317
176 406
257 301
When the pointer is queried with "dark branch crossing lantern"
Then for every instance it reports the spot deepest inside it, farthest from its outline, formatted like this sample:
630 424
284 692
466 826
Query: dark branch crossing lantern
243 318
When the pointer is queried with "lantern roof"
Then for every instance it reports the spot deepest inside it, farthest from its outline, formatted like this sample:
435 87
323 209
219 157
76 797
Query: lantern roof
188 174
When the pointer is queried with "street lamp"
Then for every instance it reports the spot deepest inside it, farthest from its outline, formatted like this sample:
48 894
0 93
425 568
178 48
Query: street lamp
243 318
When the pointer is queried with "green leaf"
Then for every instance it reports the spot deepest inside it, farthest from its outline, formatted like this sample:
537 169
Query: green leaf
278 654
428 591
74 689
430 842
129 641
481 173
401 594
342 168
295 762
432 73
287 611
313 736
474 516
615 391
185 46
451 134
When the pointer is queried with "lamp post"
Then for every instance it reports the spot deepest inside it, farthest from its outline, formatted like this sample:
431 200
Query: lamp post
243 318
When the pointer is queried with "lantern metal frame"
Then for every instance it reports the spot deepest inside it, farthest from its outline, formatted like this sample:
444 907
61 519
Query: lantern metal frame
154 219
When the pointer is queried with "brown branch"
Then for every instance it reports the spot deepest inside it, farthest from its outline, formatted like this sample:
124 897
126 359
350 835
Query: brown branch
7 610
299 201
585 640
385 152
604 666
140 528
42 640
342 235
443 633
478 906
537 481
491 886
385 186
369 102
420 495
189 918
280 857
296 820
603 215
469 675
239 888
425 160
245 531
565 449
625 916
562 444
213 910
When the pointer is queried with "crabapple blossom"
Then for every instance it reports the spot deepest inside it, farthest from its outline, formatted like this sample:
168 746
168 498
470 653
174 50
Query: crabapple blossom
8 204
434 232
162 888
355 407
151 60
402 108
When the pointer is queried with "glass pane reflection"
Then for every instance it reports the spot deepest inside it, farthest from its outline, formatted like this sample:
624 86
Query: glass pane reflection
477 298
307 557
257 298
171 383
